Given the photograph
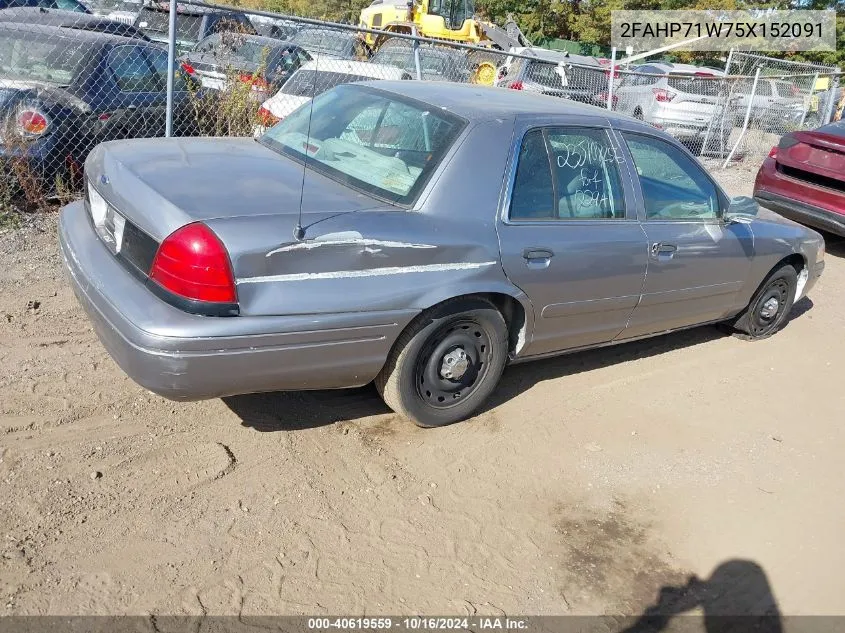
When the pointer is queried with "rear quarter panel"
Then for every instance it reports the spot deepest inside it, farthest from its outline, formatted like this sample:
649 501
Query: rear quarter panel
384 258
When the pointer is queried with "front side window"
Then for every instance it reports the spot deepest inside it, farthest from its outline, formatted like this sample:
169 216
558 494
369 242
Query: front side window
567 174
674 186
373 141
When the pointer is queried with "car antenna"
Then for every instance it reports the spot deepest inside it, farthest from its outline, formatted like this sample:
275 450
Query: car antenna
298 231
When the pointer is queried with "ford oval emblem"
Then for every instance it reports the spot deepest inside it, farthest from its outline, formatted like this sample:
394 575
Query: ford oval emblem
104 180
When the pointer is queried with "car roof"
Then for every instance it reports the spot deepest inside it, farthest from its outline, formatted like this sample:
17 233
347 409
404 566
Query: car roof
477 102
271 42
188 9
547 55
60 31
364 69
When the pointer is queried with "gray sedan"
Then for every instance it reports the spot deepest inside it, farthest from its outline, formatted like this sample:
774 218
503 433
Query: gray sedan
418 235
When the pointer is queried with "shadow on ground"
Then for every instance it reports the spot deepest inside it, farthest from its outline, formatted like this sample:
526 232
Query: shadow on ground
294 411
736 598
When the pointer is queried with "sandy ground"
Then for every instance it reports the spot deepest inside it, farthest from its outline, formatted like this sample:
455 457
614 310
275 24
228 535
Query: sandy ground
589 483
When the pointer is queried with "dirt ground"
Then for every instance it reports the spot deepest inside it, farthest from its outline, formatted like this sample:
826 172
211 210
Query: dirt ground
591 482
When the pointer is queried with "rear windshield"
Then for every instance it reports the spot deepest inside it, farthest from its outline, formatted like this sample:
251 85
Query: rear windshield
323 41
305 83
40 57
153 21
229 44
372 141
706 86
430 63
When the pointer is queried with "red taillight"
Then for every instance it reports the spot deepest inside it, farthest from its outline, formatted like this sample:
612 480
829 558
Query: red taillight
194 264
266 117
794 90
773 153
515 85
188 68
662 95
255 83
32 122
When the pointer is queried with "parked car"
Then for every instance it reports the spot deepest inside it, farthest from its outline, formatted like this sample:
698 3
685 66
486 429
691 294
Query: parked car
262 62
193 23
681 99
278 28
803 178
346 246
317 76
557 74
66 90
776 103
118 10
67 5
436 63
334 43
71 20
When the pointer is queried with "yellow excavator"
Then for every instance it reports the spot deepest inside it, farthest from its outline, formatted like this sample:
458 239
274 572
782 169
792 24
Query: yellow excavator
448 20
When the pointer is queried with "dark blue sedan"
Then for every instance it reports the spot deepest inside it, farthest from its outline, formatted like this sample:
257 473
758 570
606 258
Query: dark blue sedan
65 90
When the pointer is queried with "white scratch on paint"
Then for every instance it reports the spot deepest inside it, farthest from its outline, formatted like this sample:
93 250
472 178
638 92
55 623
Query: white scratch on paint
349 238
370 272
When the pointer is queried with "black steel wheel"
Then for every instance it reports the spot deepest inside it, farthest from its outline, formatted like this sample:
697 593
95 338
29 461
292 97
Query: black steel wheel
770 307
446 363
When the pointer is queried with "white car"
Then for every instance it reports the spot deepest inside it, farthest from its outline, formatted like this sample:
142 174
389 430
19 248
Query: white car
314 78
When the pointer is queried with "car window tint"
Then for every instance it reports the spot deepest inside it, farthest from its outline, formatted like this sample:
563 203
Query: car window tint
674 186
547 75
586 174
70 5
764 89
131 70
158 60
533 191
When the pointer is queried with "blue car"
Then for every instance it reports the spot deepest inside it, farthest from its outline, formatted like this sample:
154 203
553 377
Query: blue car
66 90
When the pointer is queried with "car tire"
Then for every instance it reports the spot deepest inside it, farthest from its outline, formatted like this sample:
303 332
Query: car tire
769 309
468 336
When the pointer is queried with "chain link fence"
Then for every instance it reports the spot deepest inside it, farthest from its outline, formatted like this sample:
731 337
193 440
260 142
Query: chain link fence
70 80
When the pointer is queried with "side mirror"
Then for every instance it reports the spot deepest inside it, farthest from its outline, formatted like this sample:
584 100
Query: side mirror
742 209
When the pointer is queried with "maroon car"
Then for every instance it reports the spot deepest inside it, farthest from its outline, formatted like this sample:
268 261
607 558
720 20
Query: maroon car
803 178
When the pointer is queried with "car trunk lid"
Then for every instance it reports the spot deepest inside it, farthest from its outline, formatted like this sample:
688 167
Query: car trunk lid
162 184
816 157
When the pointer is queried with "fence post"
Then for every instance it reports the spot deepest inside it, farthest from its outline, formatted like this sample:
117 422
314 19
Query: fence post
610 78
747 117
417 59
806 108
728 63
833 102
171 64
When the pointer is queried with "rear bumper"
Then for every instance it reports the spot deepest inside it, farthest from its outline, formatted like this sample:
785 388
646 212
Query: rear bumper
188 357
781 194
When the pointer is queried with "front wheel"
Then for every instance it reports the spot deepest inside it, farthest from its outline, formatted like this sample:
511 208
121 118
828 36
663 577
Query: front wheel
769 308
446 364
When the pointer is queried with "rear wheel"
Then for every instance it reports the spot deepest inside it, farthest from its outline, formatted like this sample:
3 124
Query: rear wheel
769 308
446 364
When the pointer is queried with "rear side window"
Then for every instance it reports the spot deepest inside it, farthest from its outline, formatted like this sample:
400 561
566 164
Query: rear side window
158 59
131 70
567 174
674 186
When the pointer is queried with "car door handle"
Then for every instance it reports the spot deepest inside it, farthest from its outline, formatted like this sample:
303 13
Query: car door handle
662 250
537 253
537 258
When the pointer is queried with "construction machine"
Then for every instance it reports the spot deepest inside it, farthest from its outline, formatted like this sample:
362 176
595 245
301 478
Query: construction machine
447 20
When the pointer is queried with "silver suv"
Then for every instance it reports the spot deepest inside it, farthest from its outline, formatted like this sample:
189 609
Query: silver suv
681 99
